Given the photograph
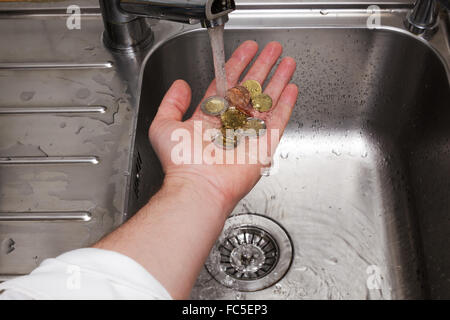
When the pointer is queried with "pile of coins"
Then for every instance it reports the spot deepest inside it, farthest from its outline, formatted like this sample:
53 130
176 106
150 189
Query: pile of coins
235 112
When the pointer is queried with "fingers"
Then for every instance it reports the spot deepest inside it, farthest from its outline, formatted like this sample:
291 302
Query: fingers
280 79
281 113
237 63
259 72
265 62
175 102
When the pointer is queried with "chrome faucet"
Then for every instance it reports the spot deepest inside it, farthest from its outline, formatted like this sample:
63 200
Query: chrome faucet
424 16
127 29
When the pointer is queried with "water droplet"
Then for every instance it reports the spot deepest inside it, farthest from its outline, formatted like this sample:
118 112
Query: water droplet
239 296
302 268
332 261
302 292
83 93
27 95
8 246
336 153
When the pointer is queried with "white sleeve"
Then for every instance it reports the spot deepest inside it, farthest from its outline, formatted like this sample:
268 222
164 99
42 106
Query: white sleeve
86 274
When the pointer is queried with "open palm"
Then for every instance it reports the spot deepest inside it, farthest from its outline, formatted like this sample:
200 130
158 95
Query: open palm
230 181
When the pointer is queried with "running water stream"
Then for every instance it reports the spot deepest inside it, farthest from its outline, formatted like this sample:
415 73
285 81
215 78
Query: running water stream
218 51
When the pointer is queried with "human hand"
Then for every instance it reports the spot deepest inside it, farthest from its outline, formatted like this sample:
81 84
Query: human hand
227 183
172 235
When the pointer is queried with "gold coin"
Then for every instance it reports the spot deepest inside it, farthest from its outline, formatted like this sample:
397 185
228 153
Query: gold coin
253 87
254 127
262 102
233 119
214 106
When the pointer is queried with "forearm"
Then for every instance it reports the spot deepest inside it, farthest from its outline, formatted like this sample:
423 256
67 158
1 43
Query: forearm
172 235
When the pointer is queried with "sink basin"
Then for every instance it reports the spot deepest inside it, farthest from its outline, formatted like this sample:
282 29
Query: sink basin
361 179
357 202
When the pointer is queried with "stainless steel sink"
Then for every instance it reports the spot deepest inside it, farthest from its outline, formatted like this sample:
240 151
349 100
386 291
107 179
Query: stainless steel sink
361 181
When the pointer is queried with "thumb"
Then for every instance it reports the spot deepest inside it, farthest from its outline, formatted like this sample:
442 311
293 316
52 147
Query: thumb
175 102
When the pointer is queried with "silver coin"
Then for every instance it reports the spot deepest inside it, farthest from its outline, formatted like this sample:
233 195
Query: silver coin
227 140
214 106
254 127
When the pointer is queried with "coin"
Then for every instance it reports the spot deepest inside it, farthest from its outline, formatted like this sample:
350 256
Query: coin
253 87
227 138
254 127
262 102
239 97
214 106
233 118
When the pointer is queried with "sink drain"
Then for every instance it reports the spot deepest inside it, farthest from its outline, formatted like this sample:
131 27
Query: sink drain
248 253
252 253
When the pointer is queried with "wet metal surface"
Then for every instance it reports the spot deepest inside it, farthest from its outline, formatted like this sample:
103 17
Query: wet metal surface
65 134
360 180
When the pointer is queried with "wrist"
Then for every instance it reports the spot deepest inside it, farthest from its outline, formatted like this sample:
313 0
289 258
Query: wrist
194 190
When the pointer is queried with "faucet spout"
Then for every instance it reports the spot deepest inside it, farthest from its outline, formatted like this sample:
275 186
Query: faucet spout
126 28
424 17
185 11
220 21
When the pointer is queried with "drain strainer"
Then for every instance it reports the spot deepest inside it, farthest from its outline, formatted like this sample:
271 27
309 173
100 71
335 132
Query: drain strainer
252 253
